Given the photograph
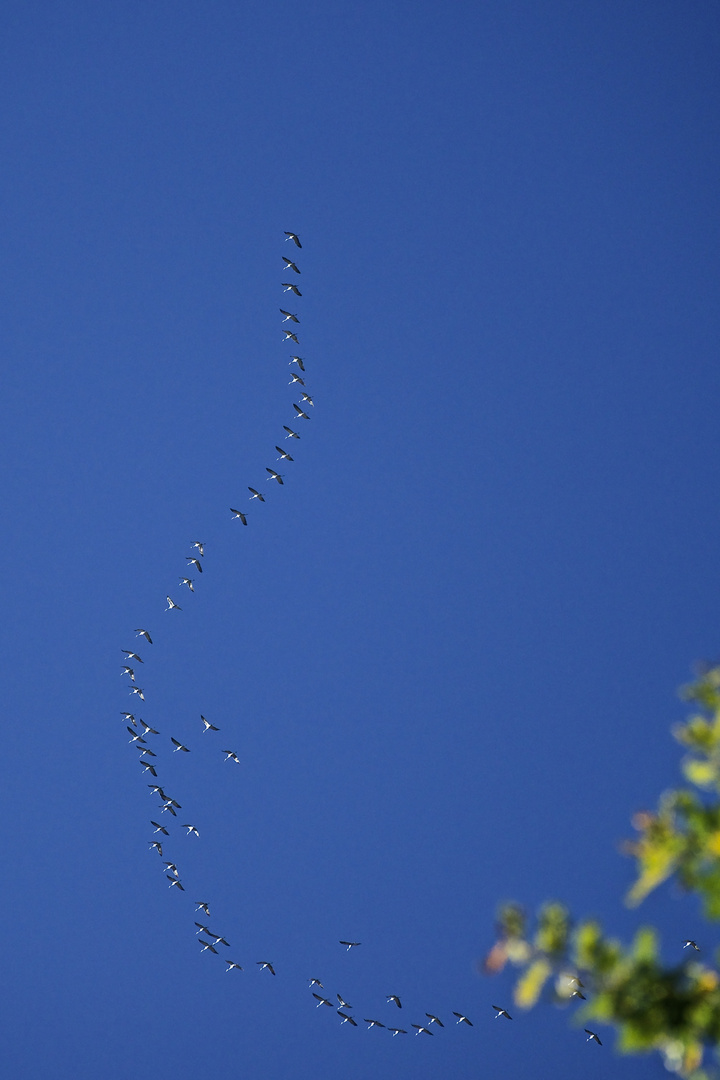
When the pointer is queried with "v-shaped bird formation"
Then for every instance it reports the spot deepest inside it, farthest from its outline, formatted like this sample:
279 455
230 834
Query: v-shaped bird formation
165 832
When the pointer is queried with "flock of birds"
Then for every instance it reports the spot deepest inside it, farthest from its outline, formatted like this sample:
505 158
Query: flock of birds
141 735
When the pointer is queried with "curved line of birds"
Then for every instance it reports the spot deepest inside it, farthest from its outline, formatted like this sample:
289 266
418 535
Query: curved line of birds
139 731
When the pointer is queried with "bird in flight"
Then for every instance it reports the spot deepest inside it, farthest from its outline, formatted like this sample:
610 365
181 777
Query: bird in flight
322 1001
266 964
501 1012
238 514
160 828
288 315
146 751
187 581
694 945
195 562
373 1023
397 1031
128 671
231 755
299 411
143 633
173 869
290 336
136 736
200 545
306 397
191 829
290 264
395 998
129 716
137 690
149 767
132 656
346 1019
176 882
208 725
343 1004
462 1019
231 964
256 494
294 237
172 605
274 475
297 360
156 844
422 1030
351 944
287 286
148 730
434 1019
178 746
294 378
203 906
316 982
592 1035
206 945
290 433
284 456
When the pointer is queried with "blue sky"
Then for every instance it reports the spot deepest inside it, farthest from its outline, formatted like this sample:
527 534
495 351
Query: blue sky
446 651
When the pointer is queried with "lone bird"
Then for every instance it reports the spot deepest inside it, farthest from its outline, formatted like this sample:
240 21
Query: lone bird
266 964
294 237
694 944
592 1035
501 1012
351 944
238 514
290 264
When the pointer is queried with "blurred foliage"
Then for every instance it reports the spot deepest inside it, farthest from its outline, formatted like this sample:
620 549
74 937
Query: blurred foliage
676 1010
